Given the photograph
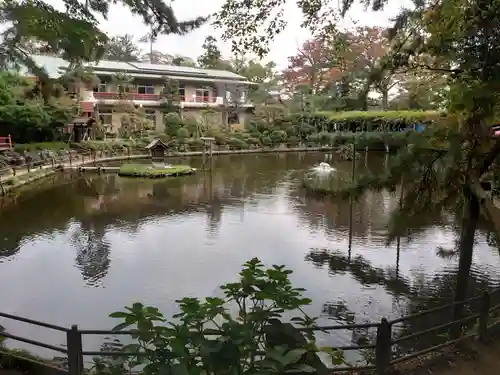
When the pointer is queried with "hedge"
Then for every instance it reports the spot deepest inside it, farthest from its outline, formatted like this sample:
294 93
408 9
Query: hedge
354 121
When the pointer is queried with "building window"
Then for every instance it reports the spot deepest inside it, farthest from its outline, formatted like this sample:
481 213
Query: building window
101 87
202 95
145 90
182 92
123 88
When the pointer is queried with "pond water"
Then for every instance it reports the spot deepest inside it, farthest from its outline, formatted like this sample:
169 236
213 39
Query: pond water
76 248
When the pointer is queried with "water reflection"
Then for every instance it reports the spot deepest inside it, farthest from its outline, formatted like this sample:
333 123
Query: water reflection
361 270
92 251
106 241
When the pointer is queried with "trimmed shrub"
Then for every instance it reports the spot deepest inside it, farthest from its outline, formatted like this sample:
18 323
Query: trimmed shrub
266 141
278 136
196 144
363 121
237 143
173 122
183 133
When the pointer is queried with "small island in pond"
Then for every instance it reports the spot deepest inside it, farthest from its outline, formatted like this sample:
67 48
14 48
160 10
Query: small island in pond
155 170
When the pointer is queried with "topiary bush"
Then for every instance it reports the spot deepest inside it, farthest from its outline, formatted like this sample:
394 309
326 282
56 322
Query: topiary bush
196 144
182 133
266 141
173 122
278 136
237 143
354 121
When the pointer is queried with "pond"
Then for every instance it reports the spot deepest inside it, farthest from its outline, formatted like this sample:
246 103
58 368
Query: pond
77 247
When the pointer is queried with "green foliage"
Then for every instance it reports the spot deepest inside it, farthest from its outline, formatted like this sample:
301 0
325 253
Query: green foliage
278 136
192 126
237 143
364 121
183 133
29 119
348 152
173 123
205 338
266 141
147 171
170 94
196 144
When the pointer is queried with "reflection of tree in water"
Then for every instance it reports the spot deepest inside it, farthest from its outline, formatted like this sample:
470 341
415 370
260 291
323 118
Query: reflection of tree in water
160 191
214 215
92 257
43 211
424 294
433 292
360 269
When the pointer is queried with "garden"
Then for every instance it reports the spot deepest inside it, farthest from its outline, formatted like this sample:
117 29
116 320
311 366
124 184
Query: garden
372 130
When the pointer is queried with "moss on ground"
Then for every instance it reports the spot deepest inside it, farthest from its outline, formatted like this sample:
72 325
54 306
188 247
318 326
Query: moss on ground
148 171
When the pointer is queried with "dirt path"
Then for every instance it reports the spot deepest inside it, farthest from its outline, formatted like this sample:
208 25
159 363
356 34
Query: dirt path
477 359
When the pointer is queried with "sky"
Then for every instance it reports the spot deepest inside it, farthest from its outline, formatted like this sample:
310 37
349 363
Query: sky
121 21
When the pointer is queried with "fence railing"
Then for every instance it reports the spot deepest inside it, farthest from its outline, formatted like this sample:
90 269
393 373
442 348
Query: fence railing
385 356
74 158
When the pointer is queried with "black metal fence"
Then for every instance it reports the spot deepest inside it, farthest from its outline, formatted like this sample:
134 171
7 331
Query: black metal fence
482 317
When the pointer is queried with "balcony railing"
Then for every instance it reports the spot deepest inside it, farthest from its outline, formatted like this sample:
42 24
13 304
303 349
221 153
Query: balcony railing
136 96
156 97
202 99
128 96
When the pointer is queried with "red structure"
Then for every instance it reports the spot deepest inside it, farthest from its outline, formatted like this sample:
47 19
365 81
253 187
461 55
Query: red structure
6 143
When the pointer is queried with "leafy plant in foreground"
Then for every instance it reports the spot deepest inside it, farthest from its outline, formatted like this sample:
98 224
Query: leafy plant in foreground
206 338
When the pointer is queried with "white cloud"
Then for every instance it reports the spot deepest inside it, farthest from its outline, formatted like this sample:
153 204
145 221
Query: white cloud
121 21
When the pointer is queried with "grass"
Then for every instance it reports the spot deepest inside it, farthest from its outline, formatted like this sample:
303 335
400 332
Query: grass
147 171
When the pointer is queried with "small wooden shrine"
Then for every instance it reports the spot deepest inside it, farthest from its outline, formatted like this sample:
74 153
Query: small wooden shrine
157 148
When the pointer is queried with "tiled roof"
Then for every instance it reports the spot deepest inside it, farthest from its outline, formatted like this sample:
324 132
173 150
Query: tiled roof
55 68
113 65
186 70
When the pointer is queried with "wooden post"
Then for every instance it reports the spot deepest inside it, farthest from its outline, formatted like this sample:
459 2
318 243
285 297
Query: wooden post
14 171
70 160
210 154
383 351
74 347
483 317
29 167
128 152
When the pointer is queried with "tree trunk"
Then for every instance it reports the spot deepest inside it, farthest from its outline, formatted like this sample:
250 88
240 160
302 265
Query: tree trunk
385 99
470 217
